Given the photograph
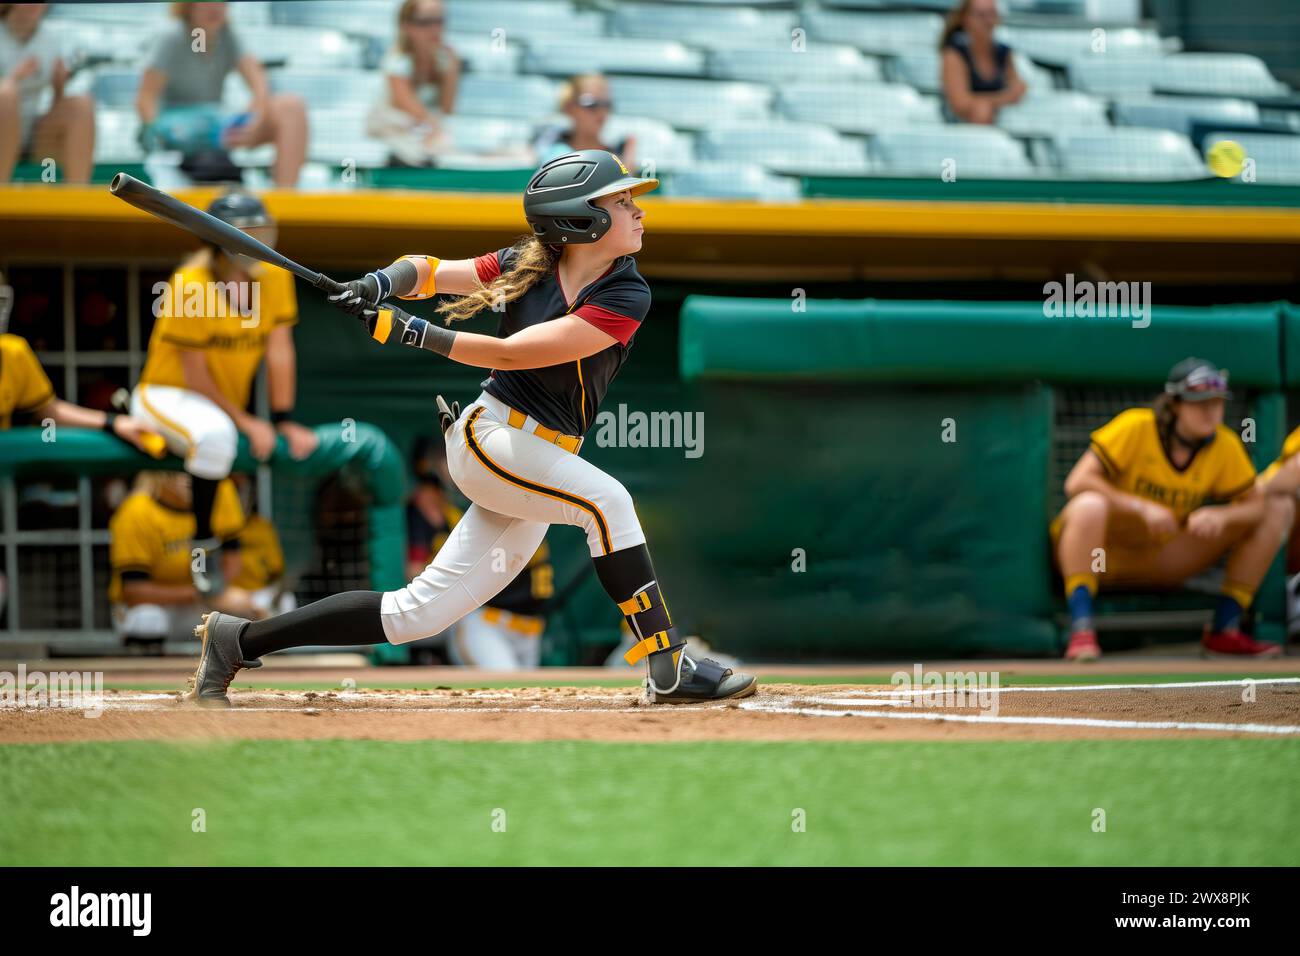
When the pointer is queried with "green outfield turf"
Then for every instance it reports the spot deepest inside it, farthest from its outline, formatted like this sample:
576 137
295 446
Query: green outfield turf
1186 802
392 680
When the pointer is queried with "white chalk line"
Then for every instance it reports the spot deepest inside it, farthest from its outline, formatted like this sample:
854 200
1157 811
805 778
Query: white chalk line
776 707
1062 688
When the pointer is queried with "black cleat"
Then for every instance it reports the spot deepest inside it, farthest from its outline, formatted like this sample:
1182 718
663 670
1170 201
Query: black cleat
219 661
701 681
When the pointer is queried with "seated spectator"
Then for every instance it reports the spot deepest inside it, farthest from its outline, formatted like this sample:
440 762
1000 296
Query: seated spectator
586 101
29 65
423 73
504 634
26 392
180 94
151 541
261 560
1160 496
979 73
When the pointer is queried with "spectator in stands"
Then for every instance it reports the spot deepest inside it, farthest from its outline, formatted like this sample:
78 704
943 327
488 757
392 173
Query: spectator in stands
180 94
504 634
151 540
979 73
1161 495
26 392
587 102
423 73
63 129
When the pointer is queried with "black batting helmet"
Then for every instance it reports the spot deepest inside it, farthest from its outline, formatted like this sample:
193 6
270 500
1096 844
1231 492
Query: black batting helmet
242 210
559 202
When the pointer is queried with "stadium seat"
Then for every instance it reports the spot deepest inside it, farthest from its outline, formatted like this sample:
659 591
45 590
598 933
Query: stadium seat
339 134
307 47
1128 153
732 181
116 89
702 25
482 54
325 88
657 143
1276 155
558 56
1058 46
979 151
354 16
690 104
858 109
784 147
824 63
1209 74
1046 113
512 97
486 134
117 42
1178 113
880 33
117 136
143 16
544 18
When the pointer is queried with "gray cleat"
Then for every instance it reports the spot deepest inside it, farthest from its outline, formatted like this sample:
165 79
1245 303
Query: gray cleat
219 661
700 681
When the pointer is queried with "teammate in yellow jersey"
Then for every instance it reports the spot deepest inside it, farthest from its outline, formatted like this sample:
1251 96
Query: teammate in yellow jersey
150 553
1282 478
216 319
1159 496
261 559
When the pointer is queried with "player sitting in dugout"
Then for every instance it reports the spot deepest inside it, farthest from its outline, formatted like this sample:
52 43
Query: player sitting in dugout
1161 494
218 317
506 633
26 392
1282 478
151 541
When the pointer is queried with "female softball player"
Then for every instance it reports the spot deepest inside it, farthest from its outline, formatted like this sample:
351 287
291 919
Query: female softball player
571 301
1159 496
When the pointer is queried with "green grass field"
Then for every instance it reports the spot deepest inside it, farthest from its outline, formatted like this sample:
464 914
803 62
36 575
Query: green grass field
1167 802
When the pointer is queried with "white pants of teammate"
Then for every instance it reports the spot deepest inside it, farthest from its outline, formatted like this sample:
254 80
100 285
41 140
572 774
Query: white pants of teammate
194 426
519 485
486 638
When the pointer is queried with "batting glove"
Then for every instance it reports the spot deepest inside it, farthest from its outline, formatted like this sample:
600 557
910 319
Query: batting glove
359 296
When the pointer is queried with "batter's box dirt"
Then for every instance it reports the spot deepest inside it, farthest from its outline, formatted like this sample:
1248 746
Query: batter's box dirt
1269 708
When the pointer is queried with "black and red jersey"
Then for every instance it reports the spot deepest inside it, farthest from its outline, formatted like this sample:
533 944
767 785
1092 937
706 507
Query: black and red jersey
566 397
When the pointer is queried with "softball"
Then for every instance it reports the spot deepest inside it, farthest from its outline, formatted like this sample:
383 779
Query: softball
1225 158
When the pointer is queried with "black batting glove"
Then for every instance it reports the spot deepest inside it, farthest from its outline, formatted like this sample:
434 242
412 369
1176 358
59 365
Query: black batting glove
358 296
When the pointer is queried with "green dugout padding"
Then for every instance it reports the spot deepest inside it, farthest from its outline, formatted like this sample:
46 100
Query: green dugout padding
959 342
827 445
350 444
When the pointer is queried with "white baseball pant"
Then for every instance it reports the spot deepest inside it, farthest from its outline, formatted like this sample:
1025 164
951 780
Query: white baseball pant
519 485
194 426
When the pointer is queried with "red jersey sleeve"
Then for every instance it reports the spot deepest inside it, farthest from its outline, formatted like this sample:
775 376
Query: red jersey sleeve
618 310
490 264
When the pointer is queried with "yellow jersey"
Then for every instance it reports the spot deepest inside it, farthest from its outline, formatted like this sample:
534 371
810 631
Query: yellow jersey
230 325
24 386
1135 461
1290 447
261 562
146 535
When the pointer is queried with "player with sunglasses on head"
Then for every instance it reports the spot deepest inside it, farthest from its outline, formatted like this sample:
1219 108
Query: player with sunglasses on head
1161 494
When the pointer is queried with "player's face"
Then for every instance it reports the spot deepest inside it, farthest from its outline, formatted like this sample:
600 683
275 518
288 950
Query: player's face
24 17
625 228
981 16
1200 419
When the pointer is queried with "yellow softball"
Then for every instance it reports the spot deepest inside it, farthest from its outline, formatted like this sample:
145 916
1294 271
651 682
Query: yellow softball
1226 158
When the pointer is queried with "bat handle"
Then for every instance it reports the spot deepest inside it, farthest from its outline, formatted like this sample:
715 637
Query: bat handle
325 283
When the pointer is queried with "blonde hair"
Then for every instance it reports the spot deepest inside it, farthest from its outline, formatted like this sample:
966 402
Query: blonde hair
533 260
569 88
405 13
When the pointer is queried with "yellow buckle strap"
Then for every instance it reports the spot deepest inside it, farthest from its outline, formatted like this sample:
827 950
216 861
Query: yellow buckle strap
635 604
569 443
517 418
647 646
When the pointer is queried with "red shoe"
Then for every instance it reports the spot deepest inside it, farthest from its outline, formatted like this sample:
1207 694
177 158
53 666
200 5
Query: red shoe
1083 647
1236 644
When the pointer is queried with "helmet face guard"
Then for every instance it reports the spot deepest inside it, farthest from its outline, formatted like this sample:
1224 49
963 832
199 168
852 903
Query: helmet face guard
559 202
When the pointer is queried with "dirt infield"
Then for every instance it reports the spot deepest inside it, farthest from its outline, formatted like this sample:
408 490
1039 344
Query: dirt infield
1267 707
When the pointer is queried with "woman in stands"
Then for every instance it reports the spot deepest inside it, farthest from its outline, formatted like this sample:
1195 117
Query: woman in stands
586 101
1161 494
29 64
422 74
570 301
180 94
979 73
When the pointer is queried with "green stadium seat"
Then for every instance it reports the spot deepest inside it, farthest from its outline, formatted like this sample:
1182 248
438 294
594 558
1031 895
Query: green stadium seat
1046 113
1129 153
1179 113
691 104
785 147
643 55
732 181
880 33
537 18
513 97
867 108
703 26
979 151
819 63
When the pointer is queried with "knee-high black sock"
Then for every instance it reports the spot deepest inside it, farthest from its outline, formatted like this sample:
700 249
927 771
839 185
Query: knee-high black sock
203 493
628 577
338 621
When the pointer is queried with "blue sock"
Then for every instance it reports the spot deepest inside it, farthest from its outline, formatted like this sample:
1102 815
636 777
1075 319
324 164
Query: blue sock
1227 614
1080 602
